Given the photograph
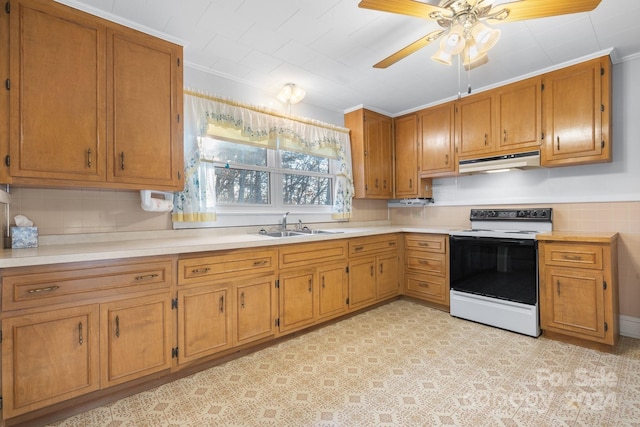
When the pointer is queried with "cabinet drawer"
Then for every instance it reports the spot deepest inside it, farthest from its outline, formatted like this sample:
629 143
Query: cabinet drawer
373 244
36 286
228 264
575 256
427 263
426 242
303 254
429 287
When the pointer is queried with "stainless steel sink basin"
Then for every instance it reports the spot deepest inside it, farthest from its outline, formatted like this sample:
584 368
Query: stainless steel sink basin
295 233
287 233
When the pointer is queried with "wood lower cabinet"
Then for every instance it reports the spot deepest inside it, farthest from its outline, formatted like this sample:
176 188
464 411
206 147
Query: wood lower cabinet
427 267
119 125
578 287
373 269
49 357
136 338
205 321
71 329
225 299
312 283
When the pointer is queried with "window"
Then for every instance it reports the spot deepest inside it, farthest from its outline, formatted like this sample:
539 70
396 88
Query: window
256 178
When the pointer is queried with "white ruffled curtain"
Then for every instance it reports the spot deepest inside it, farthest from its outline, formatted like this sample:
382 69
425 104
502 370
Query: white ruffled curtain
204 114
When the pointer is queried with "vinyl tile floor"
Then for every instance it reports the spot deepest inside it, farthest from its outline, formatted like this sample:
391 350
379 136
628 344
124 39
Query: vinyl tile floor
401 364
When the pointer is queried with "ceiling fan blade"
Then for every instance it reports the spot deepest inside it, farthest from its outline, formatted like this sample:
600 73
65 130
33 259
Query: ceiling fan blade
404 7
413 47
532 9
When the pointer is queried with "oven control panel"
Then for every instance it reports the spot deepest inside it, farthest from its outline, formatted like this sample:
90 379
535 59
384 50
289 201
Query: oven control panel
539 214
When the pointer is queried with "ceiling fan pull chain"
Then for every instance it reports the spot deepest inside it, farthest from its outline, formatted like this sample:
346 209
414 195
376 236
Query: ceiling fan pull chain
459 84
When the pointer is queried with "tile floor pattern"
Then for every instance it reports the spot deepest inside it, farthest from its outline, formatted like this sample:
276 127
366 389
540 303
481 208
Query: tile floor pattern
401 364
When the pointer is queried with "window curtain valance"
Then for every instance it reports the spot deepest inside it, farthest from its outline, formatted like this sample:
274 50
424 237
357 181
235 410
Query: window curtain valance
208 115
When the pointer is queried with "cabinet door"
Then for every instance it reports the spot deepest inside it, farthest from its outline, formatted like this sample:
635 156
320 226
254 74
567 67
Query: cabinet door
576 114
519 116
388 276
475 125
146 140
334 290
135 338
57 97
574 302
255 309
406 143
204 321
297 300
362 282
437 155
49 357
378 155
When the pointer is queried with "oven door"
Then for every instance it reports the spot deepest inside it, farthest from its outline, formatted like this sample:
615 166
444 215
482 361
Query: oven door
499 268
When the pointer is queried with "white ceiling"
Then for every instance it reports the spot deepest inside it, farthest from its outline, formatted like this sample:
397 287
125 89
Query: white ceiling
329 46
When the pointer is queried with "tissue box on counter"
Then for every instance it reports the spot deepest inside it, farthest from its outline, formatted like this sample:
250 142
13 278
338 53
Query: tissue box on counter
24 237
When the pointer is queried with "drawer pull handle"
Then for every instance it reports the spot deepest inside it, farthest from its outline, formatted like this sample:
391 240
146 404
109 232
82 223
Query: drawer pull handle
200 270
80 338
259 263
117 326
392 243
423 262
148 276
47 289
358 248
222 304
423 284
572 257
423 244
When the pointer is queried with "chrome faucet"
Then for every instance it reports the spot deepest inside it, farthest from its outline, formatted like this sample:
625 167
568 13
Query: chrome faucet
283 224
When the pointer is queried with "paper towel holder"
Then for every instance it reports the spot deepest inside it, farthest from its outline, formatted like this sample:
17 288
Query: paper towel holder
156 201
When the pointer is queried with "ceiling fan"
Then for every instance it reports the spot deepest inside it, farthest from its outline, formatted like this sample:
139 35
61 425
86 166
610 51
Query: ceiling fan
463 30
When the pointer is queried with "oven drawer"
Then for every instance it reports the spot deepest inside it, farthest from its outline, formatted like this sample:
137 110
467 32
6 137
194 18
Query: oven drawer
573 255
426 263
432 288
426 242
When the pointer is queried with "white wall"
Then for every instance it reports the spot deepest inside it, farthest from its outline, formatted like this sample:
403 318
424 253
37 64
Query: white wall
616 181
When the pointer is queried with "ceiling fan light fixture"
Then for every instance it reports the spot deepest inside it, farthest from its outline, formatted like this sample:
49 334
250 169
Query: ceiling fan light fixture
291 94
454 42
442 57
485 37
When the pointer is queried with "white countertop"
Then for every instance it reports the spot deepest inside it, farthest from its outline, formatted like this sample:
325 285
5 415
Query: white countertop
139 244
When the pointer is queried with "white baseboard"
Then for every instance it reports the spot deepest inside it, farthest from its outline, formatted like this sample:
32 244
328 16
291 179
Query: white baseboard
630 326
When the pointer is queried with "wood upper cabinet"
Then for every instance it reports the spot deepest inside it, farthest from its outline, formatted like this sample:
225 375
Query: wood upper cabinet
406 145
92 103
579 290
58 93
474 125
372 154
506 120
437 140
144 106
577 114
519 116
135 338
49 357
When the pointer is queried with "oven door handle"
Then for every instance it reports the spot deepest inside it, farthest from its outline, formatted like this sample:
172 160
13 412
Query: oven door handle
493 240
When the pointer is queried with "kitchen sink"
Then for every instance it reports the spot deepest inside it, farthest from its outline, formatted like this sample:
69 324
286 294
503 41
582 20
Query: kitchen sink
295 233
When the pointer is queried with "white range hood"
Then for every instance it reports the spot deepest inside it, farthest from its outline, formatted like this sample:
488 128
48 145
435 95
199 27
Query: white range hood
528 160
